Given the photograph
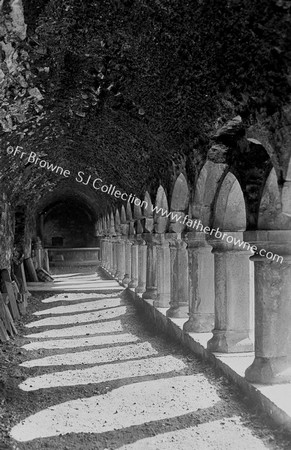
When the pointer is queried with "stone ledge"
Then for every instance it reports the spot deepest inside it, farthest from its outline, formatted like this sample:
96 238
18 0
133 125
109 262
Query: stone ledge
71 263
232 365
273 400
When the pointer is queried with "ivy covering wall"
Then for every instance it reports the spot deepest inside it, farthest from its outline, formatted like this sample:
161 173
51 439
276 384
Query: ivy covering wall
136 89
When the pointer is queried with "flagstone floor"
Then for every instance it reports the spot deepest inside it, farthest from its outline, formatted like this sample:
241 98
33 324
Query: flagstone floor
97 376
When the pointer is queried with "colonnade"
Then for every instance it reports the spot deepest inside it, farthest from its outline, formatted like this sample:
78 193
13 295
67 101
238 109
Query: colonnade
216 286
207 282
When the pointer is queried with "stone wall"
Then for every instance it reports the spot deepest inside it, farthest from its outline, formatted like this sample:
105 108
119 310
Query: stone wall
72 225
6 232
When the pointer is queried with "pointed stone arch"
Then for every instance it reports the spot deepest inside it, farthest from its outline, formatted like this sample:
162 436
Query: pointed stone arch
179 204
107 220
117 221
161 198
205 190
161 222
104 225
112 223
123 215
129 216
230 211
137 215
180 194
148 213
98 227
147 205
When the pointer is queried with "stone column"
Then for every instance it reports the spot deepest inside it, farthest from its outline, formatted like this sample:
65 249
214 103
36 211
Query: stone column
115 241
201 284
121 262
163 271
106 253
151 268
173 255
41 229
38 253
46 262
179 304
103 251
110 254
112 241
232 297
127 277
272 362
120 259
134 265
142 266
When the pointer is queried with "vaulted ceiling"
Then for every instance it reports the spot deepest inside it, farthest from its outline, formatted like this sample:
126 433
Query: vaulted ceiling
135 91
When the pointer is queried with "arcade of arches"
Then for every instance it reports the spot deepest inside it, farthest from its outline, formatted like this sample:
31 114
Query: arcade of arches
243 298
141 125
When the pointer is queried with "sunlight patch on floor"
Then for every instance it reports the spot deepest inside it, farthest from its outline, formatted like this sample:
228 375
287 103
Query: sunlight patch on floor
76 296
81 342
125 406
91 271
80 330
76 282
96 356
93 316
74 274
225 434
81 283
106 372
71 286
80 307
80 277
280 394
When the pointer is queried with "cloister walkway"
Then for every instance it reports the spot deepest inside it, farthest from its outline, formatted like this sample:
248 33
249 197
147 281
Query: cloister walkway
97 376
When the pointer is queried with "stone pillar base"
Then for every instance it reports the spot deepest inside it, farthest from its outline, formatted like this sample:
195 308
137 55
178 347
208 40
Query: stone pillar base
272 362
133 283
162 301
180 311
150 294
119 277
199 323
269 370
140 289
230 342
126 280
